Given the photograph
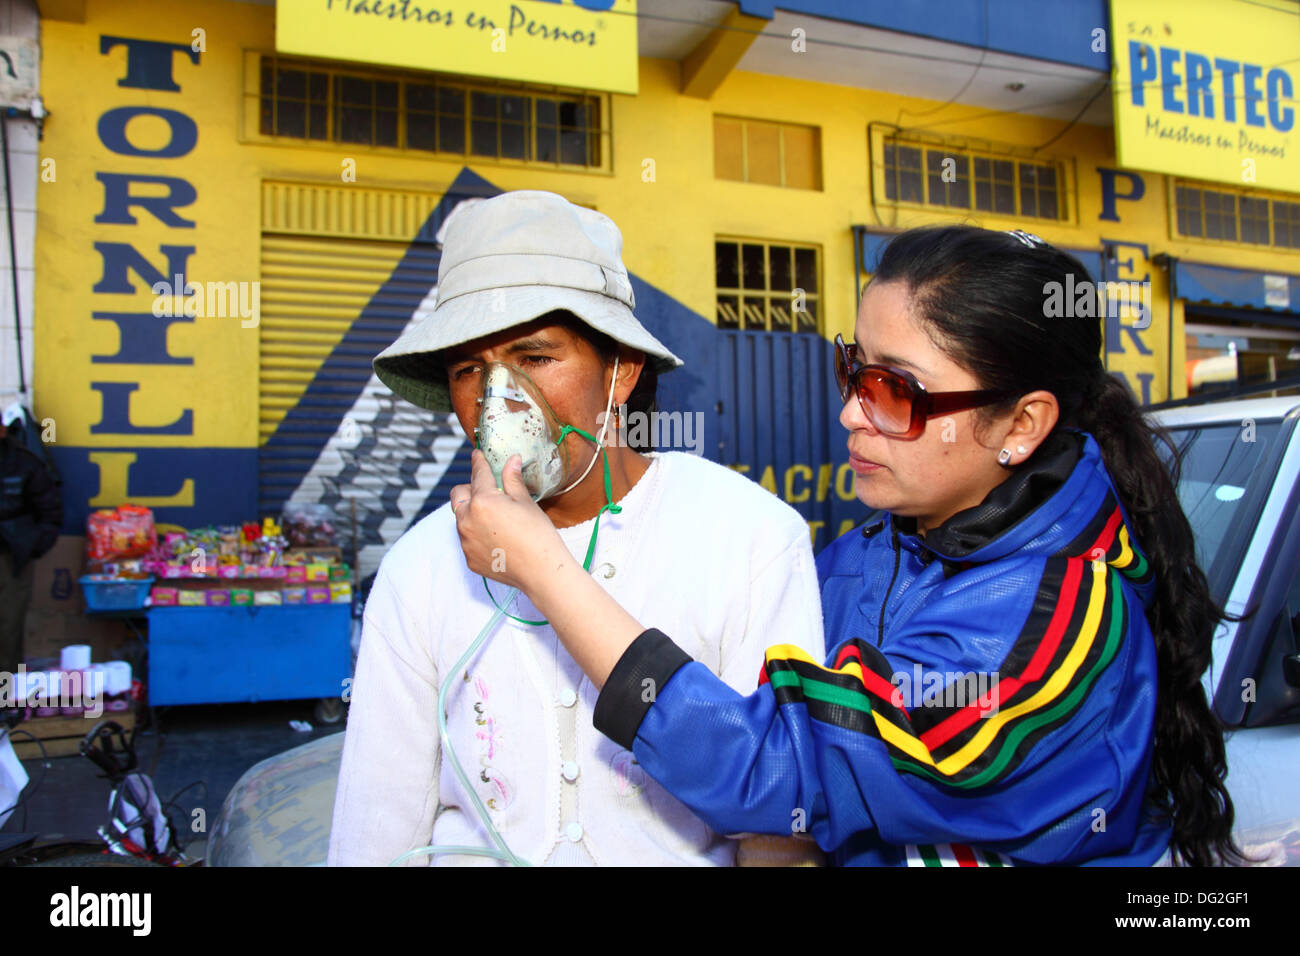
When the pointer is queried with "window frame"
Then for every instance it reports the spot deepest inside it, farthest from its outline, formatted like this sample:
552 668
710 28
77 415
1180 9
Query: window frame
1018 156
250 115
779 126
740 292
1174 183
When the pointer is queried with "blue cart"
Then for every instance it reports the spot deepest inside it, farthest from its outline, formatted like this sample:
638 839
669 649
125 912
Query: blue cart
243 653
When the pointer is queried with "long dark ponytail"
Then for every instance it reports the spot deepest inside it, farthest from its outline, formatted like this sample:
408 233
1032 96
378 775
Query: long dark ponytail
986 300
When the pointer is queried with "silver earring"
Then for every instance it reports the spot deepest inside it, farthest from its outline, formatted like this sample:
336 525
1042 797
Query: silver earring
1004 456
1020 449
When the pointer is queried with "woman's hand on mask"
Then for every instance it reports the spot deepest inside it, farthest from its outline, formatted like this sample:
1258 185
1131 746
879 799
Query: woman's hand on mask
503 533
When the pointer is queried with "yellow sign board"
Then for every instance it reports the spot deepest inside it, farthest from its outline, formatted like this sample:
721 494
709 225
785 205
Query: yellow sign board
1207 90
588 44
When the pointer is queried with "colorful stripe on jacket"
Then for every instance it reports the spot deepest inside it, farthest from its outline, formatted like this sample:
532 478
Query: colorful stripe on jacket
1074 630
953 854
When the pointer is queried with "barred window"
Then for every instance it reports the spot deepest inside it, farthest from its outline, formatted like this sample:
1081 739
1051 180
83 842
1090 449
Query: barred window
306 101
1202 213
295 102
767 286
1037 191
365 111
963 179
903 181
995 185
1286 224
435 118
952 189
1220 215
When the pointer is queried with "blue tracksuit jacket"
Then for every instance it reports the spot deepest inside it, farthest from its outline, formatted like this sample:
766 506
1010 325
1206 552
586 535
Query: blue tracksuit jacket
989 697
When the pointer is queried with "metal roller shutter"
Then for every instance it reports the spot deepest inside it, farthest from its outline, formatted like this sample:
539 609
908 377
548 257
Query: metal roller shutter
312 292
343 271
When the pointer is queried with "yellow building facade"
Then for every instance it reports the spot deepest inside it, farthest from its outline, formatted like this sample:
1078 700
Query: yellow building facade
294 245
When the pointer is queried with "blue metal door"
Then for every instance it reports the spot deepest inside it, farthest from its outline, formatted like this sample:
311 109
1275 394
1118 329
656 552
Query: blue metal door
778 423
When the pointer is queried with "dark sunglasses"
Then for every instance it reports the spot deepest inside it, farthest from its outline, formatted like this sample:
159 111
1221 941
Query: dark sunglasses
893 400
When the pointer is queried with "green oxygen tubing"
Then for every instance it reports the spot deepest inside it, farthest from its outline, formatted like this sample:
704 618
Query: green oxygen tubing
502 851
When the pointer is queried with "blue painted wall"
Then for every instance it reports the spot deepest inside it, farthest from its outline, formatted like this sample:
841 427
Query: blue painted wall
1004 26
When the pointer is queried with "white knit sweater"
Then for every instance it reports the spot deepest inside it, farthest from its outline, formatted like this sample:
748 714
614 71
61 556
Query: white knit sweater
698 551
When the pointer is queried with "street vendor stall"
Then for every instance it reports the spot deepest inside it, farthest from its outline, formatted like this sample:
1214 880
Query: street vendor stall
234 613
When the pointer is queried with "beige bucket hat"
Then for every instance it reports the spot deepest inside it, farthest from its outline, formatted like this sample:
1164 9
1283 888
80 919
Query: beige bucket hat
506 261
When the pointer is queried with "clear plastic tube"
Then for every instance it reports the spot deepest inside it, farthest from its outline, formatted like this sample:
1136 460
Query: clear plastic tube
502 851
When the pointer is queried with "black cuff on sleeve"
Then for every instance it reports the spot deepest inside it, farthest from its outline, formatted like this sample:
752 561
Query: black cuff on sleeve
626 696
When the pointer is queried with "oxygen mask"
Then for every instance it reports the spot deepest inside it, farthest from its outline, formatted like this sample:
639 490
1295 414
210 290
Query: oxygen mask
517 420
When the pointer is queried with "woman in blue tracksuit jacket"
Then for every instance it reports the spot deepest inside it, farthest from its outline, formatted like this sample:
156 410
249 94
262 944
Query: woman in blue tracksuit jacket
1017 645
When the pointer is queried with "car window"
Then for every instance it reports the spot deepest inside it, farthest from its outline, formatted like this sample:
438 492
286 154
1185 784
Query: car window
1221 466
1277 685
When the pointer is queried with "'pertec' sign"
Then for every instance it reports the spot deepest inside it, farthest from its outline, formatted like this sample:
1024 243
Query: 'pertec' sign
1207 90
590 44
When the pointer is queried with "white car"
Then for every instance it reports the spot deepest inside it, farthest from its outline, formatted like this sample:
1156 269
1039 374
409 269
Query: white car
1239 489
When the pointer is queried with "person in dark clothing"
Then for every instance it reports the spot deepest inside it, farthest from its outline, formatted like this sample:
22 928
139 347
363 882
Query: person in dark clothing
31 513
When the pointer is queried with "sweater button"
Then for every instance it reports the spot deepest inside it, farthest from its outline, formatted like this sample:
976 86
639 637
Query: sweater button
569 771
574 832
568 697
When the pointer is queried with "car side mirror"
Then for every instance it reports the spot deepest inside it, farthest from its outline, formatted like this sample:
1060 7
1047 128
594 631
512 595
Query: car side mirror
1291 655
1291 669
1278 689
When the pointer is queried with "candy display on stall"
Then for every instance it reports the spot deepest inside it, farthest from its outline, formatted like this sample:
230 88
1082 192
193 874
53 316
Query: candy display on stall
247 564
309 526
121 533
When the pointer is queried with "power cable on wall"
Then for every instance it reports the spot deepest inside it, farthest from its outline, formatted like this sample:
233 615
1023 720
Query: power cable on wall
984 49
1077 116
13 254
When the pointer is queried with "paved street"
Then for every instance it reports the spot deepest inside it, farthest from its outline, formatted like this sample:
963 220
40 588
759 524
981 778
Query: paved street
214 744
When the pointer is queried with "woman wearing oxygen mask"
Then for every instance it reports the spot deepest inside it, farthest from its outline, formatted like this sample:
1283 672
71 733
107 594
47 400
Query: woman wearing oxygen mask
532 343
1033 542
